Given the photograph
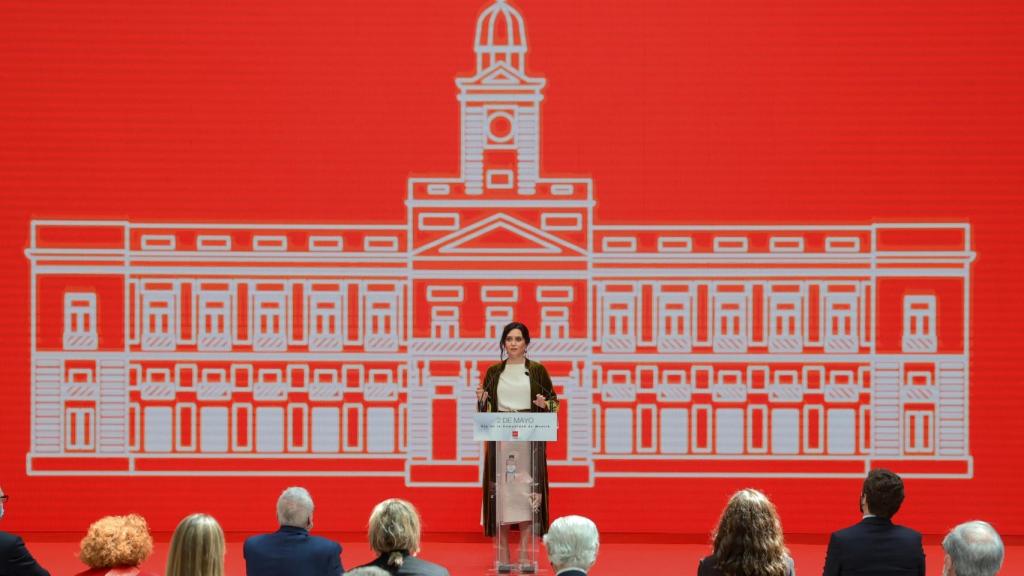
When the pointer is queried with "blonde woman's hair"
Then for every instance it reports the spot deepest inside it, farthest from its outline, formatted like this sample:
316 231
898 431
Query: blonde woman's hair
748 540
197 548
114 541
394 528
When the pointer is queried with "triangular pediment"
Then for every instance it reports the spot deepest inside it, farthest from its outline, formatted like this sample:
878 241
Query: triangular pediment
500 235
500 74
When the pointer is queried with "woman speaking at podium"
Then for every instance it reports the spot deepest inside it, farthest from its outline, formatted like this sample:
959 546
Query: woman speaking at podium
516 384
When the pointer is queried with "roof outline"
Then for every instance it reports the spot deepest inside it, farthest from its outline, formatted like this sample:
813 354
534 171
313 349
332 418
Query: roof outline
551 245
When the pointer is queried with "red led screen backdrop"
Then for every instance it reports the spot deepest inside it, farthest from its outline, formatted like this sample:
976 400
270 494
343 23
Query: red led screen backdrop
250 247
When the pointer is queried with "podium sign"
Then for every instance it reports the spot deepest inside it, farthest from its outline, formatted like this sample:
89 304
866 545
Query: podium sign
515 426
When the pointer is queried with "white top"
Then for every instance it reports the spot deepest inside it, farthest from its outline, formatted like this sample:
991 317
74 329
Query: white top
514 388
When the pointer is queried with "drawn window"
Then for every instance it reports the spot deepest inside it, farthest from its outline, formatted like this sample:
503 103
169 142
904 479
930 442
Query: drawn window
674 322
444 322
79 428
841 319
214 317
785 318
80 321
919 431
158 321
730 327
619 323
730 319
554 322
270 326
841 323
325 321
919 324
382 322
497 317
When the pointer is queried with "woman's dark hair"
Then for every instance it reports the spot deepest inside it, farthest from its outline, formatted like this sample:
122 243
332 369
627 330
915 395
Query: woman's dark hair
748 540
510 327
883 491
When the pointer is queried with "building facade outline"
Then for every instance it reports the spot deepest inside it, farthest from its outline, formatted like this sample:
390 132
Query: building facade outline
814 351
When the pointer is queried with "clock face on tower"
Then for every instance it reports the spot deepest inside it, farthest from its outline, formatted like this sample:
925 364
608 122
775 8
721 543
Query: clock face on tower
500 127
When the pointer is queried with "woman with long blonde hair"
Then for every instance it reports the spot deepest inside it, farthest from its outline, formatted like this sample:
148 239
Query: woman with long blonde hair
748 540
197 548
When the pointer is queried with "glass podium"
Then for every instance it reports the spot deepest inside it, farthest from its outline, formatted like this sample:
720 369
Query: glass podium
514 453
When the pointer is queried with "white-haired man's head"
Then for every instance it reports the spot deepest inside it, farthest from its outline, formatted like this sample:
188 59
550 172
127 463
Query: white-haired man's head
572 542
972 549
295 508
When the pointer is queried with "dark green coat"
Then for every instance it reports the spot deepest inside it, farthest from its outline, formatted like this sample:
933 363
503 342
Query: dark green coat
540 383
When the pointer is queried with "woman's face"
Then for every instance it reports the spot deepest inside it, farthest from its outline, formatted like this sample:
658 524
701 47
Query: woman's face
515 345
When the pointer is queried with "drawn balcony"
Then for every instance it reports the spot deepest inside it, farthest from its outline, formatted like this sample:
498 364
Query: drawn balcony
488 347
842 392
785 393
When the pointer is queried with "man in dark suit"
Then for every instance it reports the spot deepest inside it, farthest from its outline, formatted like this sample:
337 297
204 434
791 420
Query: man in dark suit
15 559
292 550
875 545
572 543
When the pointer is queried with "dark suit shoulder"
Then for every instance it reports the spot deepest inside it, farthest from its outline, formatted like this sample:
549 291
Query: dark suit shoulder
876 525
425 568
8 540
325 543
905 531
411 566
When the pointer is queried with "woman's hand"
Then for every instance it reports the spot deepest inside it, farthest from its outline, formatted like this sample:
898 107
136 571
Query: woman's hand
481 395
535 501
541 401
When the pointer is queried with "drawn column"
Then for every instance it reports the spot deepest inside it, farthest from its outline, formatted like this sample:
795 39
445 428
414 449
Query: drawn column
580 393
46 429
113 407
885 406
952 380
420 424
465 393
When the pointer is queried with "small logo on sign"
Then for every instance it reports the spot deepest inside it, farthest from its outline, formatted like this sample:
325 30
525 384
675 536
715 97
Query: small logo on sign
515 433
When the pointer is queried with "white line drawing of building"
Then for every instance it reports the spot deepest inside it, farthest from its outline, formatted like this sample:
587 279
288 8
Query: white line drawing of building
354 350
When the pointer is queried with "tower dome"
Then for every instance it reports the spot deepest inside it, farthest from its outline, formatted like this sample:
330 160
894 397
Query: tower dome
500 37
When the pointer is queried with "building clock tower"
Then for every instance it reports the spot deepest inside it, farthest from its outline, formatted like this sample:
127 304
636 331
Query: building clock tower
500 108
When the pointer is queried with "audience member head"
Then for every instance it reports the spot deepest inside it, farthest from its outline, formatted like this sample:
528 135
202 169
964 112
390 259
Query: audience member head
972 549
748 539
367 571
882 494
197 548
572 542
295 508
116 541
394 529
3 501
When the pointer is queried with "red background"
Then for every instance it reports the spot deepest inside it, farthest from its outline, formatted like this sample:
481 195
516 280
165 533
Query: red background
683 112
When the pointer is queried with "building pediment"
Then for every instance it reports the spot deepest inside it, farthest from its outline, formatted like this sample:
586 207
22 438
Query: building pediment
501 75
500 235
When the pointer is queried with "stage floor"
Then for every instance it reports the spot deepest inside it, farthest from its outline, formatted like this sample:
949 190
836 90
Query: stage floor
471 555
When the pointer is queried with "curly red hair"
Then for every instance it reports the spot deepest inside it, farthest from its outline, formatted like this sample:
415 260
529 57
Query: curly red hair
116 541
